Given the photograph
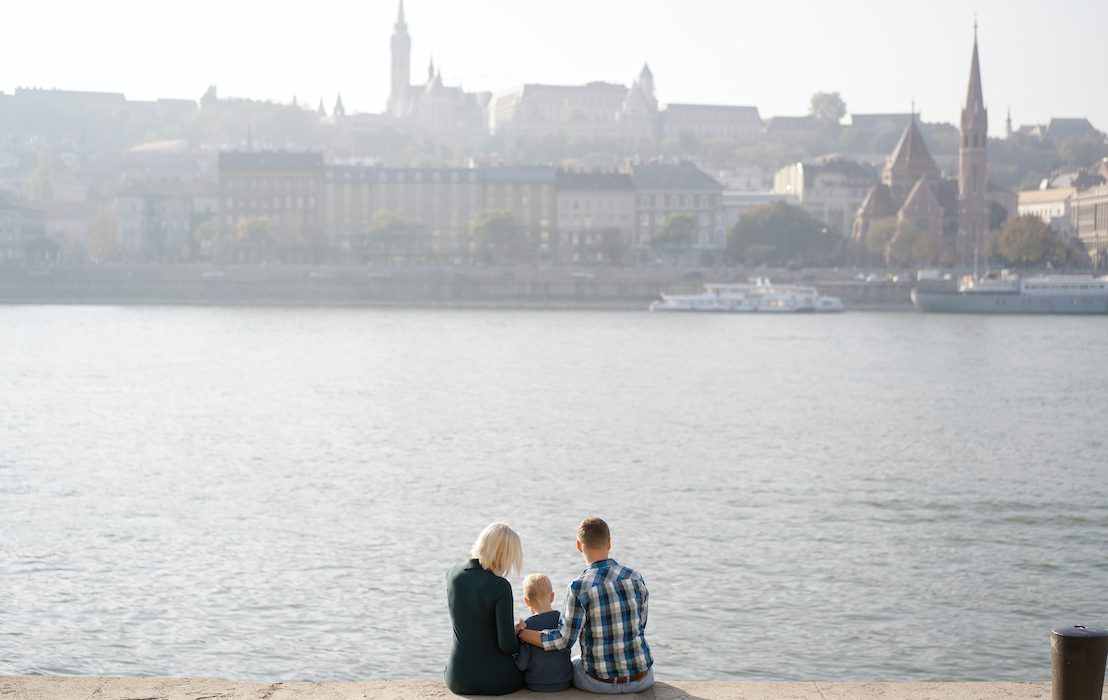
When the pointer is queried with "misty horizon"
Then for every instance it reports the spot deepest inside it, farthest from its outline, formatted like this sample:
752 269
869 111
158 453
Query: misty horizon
821 49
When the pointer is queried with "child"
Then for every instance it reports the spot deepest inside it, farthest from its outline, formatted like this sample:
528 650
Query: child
543 671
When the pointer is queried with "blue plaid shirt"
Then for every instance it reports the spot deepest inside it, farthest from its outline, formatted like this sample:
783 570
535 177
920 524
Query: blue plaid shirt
606 605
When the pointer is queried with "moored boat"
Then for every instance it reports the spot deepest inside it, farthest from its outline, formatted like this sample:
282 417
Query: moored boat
760 295
1007 293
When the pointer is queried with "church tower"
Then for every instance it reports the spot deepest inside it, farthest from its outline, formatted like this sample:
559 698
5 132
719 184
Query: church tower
400 84
973 206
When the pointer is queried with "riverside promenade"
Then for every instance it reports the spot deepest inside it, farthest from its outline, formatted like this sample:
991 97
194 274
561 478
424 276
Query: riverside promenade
306 285
92 688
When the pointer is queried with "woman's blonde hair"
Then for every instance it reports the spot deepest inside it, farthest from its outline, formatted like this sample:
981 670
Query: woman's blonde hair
499 550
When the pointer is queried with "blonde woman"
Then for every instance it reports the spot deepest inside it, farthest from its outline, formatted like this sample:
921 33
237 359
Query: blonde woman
481 613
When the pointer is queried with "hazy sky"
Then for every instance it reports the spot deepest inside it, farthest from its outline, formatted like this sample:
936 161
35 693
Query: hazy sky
1038 58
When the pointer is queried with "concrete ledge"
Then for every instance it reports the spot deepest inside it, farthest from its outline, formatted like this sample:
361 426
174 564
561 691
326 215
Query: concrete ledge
87 688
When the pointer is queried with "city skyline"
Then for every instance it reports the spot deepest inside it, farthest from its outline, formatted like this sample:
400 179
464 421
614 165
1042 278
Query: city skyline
311 56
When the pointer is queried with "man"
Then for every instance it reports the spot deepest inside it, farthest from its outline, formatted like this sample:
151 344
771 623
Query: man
607 607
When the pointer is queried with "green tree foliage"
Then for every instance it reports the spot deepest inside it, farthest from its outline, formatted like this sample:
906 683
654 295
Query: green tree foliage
827 107
390 235
499 238
255 232
778 233
1028 241
1084 151
211 239
878 236
909 245
678 232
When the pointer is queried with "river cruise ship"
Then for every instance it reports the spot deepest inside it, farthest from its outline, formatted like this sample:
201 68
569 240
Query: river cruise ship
759 296
1006 293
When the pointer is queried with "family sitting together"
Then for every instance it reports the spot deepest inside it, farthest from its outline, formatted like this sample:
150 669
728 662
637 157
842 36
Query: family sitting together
606 607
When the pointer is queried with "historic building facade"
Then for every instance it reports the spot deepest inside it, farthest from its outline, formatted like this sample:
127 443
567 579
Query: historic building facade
434 109
666 190
831 190
1090 221
596 215
568 216
913 189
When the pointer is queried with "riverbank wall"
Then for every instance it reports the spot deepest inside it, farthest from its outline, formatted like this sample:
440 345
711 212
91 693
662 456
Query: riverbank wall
63 688
286 285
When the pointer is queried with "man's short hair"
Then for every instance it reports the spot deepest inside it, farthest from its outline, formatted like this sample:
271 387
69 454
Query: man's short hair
537 588
593 533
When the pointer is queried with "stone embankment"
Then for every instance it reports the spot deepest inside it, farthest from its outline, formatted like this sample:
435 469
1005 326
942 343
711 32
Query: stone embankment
87 688
615 288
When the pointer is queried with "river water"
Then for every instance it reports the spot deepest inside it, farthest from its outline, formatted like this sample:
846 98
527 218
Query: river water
277 493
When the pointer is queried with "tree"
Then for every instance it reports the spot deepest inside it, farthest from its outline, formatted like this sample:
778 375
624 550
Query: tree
878 237
211 237
778 233
499 238
678 232
1028 241
254 236
389 234
827 107
1085 150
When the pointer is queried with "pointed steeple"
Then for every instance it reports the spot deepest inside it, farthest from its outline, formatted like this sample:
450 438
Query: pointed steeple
321 111
973 166
975 102
339 110
400 73
431 69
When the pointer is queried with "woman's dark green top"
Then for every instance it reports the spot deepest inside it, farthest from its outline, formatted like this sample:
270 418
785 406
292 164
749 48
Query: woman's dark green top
485 640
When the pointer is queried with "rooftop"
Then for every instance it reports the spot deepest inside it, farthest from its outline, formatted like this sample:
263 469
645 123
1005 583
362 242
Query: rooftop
270 160
672 176
585 180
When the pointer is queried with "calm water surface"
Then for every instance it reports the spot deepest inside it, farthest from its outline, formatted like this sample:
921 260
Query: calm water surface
277 493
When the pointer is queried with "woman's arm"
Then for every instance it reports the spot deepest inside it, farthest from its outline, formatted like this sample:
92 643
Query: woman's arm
505 624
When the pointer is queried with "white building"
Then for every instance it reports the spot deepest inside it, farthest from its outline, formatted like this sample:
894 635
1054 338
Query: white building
1052 206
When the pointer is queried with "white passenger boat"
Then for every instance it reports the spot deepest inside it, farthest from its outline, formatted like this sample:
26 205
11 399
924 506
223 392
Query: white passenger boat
1006 293
760 296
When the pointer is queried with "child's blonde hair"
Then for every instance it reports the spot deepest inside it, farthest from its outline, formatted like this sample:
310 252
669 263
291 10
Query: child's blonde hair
537 588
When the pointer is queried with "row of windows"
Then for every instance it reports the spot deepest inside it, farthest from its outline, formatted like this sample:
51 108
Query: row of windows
587 205
677 200
401 176
256 183
274 203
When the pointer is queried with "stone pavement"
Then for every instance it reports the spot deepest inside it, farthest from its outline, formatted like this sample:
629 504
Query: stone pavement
91 688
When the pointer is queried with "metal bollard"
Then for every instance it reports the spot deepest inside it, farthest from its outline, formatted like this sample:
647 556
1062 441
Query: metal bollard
1077 657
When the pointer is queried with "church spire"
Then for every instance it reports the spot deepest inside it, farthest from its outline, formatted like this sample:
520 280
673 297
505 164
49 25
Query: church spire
400 79
973 164
974 100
